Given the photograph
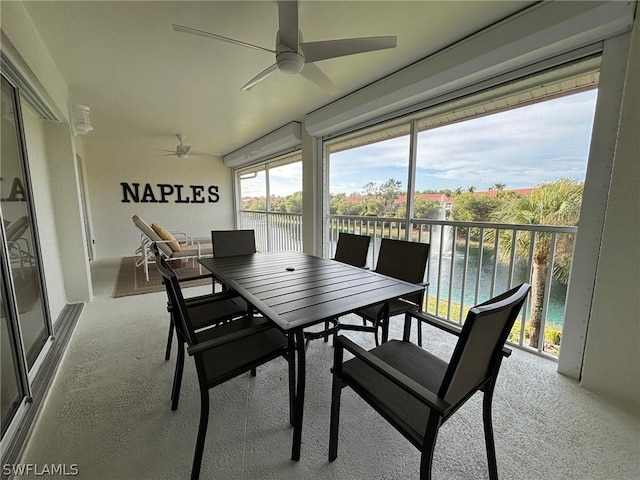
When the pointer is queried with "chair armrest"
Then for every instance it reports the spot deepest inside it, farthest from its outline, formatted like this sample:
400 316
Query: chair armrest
410 386
206 299
195 277
436 322
231 337
178 233
211 298
448 327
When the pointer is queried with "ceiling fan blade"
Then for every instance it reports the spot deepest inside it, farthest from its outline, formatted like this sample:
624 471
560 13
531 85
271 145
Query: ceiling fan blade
323 50
317 76
258 78
195 31
165 150
288 23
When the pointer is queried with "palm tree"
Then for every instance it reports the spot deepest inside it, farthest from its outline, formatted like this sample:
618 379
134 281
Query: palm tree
556 203
498 187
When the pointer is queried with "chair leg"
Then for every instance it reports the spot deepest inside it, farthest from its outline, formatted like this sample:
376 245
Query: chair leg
299 396
488 433
406 331
167 353
292 378
326 327
145 254
253 372
385 330
202 433
428 447
406 334
336 390
177 378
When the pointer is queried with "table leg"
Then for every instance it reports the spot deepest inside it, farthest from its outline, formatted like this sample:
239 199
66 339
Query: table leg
292 379
299 395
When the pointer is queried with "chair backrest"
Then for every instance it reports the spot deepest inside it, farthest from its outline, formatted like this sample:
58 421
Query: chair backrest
403 260
182 321
227 243
477 355
352 249
151 234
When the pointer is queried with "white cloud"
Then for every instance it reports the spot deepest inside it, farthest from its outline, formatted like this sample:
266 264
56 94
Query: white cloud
520 148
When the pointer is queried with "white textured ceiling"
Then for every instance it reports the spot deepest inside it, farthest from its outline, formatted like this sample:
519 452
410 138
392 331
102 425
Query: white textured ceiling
142 80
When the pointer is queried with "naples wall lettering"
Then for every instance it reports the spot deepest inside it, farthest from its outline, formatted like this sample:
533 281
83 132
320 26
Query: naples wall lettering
16 192
167 192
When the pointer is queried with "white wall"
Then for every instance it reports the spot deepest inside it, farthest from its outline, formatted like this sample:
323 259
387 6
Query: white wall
41 186
612 356
108 164
65 195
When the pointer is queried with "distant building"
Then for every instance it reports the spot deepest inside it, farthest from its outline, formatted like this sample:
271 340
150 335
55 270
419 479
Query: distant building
445 201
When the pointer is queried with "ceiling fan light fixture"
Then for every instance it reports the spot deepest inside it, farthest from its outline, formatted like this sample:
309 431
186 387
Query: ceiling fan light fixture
290 62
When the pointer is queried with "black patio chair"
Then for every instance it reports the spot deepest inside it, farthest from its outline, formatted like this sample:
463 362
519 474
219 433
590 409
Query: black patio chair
402 260
221 352
227 243
351 249
229 306
415 391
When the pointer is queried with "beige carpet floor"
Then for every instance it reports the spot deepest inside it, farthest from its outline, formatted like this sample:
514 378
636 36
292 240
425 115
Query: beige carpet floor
132 281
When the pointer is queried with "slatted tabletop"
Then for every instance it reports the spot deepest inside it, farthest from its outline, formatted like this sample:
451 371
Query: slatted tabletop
296 290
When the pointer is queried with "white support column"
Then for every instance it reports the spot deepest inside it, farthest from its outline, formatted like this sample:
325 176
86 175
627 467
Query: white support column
311 195
594 204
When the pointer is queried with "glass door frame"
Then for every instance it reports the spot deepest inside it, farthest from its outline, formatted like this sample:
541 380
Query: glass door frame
15 336
26 374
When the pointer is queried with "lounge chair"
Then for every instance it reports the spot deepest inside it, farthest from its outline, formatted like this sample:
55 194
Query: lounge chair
173 245
18 244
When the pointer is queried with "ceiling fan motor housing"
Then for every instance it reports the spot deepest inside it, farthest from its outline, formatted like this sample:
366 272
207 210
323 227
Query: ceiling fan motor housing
290 62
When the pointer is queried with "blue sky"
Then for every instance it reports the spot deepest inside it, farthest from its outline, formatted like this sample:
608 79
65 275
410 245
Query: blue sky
519 148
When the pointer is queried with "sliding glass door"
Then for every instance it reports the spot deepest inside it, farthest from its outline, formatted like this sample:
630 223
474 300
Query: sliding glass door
25 321
11 390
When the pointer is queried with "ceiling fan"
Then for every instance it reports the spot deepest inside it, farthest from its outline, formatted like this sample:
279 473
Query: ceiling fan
294 56
182 150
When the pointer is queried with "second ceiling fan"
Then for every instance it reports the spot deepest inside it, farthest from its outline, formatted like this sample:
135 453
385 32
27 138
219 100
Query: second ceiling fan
294 56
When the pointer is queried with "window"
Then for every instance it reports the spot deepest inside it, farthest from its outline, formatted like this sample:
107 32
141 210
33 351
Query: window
512 155
270 199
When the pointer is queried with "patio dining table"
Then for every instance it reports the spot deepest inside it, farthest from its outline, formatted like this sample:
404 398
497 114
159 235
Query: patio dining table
295 291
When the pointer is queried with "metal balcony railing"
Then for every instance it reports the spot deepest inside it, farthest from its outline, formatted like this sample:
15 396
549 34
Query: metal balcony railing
274 231
471 262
